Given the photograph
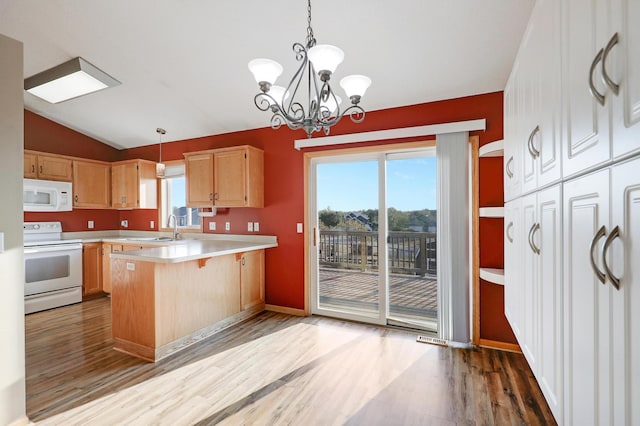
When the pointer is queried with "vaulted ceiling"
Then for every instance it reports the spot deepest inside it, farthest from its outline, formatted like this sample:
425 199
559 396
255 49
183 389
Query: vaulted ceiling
183 63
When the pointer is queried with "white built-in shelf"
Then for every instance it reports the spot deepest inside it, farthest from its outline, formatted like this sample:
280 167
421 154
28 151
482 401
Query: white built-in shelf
492 275
491 211
493 149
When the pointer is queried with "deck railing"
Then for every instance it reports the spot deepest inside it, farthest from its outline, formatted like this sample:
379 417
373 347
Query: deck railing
411 253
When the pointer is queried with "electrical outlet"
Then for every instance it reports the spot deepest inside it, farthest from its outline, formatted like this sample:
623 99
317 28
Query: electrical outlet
227 226
212 226
152 224
299 228
250 226
256 226
90 224
124 223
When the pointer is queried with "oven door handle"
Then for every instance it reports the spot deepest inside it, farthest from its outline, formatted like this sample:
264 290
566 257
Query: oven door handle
49 249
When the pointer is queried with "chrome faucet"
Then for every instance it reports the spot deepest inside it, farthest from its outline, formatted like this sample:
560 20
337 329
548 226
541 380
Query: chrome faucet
175 225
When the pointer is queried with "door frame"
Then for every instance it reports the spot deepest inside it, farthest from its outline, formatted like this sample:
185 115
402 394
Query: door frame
309 234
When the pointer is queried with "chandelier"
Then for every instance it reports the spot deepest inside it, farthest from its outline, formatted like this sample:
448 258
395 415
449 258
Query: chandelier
321 109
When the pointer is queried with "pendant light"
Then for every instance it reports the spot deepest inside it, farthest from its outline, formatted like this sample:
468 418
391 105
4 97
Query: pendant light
160 165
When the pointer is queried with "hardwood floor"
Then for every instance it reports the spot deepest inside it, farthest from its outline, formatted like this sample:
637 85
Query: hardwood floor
274 369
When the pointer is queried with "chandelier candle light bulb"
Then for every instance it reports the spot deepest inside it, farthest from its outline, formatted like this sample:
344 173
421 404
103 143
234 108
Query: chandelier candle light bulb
320 110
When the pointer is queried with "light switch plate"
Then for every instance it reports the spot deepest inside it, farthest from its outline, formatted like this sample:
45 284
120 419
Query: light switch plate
227 226
124 223
212 226
299 228
256 226
131 266
90 224
250 226
152 224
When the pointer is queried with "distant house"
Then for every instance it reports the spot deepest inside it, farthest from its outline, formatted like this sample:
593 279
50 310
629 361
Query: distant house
359 220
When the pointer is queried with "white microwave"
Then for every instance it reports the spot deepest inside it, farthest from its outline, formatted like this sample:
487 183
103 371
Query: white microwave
46 196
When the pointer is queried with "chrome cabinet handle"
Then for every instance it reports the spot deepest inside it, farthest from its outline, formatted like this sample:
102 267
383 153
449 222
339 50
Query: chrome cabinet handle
243 260
532 150
615 233
615 87
215 195
532 243
508 168
601 233
594 92
211 196
509 227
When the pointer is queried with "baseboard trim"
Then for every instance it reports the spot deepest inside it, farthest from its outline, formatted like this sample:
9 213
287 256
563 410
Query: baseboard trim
20 422
286 310
494 344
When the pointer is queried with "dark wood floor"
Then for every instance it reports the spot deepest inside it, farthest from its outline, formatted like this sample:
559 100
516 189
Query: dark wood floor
274 369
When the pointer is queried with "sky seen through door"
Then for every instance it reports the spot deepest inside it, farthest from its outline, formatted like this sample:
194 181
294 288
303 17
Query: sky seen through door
411 185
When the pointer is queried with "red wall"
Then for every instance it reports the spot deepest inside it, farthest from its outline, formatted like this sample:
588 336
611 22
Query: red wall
41 134
284 192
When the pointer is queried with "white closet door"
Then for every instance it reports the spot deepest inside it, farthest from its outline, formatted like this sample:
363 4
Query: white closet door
624 260
624 67
549 240
587 349
585 121
530 307
512 266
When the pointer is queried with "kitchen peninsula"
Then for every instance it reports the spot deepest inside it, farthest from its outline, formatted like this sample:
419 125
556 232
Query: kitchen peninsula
164 299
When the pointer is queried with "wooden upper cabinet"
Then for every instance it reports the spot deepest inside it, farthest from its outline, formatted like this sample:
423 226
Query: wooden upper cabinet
134 185
238 177
199 178
47 167
30 166
91 184
226 177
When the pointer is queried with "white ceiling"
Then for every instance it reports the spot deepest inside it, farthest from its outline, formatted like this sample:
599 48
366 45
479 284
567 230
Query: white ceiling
183 63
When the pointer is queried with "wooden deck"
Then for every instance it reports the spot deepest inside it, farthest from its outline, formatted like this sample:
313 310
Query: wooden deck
409 296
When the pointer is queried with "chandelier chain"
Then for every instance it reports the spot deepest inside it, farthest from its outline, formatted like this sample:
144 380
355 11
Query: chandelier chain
311 40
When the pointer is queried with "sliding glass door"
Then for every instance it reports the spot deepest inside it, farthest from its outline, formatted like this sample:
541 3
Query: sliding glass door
367 266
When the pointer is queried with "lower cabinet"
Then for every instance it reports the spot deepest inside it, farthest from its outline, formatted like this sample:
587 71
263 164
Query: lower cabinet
572 293
602 297
252 279
533 286
91 269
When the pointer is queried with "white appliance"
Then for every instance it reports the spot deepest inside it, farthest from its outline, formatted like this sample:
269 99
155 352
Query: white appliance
46 196
53 267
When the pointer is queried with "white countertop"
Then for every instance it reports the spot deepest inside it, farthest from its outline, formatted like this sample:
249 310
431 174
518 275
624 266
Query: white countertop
186 250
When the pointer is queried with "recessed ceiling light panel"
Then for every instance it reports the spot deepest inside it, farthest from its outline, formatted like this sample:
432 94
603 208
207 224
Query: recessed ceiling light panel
69 80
